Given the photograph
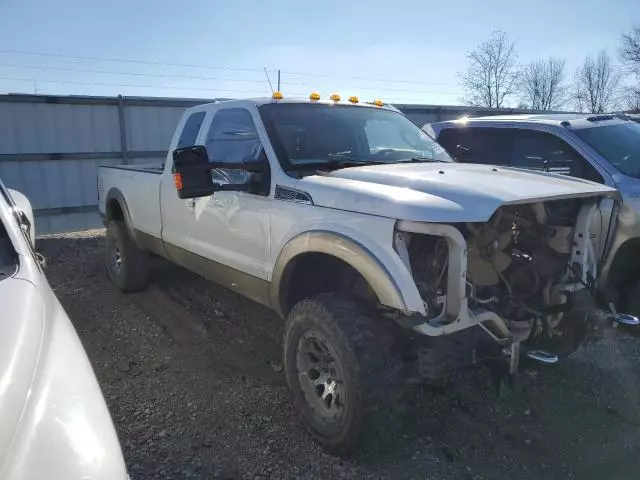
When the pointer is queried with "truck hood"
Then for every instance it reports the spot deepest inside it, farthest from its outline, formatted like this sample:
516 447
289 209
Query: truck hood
441 192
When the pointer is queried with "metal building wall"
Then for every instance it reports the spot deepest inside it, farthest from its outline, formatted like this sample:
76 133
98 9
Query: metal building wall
51 146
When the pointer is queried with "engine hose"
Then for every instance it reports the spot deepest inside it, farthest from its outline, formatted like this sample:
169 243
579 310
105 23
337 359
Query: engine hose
504 280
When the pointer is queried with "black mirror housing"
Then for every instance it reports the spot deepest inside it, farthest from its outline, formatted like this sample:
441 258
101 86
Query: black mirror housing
192 172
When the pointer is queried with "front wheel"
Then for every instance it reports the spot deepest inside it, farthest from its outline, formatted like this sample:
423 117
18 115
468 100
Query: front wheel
340 368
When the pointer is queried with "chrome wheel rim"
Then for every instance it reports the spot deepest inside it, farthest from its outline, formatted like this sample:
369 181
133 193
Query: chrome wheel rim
320 376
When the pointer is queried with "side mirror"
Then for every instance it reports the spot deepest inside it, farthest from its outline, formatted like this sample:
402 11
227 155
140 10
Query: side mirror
192 172
24 214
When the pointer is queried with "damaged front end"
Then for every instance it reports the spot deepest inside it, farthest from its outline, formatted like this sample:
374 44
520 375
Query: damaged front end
523 282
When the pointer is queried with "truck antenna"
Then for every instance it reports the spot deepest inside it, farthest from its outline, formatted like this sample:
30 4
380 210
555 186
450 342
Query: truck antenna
268 79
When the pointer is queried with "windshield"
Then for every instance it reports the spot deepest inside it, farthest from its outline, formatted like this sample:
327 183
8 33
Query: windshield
619 144
320 135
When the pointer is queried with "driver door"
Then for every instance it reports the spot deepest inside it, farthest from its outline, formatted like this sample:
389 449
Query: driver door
231 230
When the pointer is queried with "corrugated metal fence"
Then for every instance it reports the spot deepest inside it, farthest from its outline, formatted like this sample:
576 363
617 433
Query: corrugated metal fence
51 146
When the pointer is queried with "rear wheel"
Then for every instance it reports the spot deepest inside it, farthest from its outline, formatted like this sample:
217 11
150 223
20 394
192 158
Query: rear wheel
127 265
340 368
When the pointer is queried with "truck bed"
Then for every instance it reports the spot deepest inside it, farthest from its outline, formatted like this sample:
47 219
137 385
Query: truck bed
139 187
155 168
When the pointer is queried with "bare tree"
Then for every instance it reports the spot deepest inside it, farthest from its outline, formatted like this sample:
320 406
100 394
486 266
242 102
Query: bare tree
596 84
492 74
542 84
631 99
630 56
630 50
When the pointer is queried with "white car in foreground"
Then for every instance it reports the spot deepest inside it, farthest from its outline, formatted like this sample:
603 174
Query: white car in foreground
54 422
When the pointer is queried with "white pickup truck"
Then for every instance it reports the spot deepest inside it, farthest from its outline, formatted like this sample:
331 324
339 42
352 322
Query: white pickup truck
382 254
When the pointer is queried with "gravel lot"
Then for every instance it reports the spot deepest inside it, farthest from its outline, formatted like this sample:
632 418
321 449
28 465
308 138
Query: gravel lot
191 373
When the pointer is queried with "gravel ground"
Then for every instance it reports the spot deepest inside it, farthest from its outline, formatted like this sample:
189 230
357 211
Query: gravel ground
191 373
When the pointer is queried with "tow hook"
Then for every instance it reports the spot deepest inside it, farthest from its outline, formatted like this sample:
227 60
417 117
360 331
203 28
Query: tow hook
542 356
504 375
513 354
622 318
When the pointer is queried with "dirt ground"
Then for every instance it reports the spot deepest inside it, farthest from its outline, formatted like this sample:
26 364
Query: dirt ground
192 376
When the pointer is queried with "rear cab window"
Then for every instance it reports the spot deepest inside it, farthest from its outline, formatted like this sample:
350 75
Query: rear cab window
191 129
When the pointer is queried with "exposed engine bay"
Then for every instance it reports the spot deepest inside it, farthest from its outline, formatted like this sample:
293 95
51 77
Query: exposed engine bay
525 264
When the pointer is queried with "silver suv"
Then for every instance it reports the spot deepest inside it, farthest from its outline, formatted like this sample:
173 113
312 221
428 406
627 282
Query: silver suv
601 148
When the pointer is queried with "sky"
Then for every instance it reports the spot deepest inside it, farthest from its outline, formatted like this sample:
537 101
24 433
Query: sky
401 51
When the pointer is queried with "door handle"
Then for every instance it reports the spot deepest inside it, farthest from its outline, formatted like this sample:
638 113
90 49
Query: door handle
191 206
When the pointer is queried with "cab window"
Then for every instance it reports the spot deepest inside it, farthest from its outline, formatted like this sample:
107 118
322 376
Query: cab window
232 138
516 147
191 129
543 151
475 145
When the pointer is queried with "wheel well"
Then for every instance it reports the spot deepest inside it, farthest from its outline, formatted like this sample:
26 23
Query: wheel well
114 210
314 273
624 270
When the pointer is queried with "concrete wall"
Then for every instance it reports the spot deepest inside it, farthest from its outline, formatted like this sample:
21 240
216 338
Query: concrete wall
51 146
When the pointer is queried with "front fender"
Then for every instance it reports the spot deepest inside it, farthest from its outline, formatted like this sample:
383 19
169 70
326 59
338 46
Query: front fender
623 257
382 269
